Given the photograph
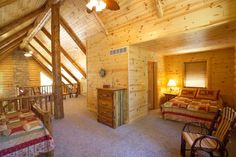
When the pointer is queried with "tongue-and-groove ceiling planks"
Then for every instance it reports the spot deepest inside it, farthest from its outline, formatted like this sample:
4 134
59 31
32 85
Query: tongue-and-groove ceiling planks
157 15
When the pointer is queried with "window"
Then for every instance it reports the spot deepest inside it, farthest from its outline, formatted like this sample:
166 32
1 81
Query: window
195 74
45 80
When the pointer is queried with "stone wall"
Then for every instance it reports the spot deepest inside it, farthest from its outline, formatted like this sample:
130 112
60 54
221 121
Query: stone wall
17 70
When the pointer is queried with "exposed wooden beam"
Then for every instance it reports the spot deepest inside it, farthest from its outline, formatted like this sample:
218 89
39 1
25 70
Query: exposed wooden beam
56 61
72 34
18 22
8 51
159 8
73 62
15 36
47 61
4 52
6 2
100 23
66 54
38 24
99 20
50 53
42 65
16 42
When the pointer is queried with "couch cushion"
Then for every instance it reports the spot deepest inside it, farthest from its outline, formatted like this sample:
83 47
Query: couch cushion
205 143
208 94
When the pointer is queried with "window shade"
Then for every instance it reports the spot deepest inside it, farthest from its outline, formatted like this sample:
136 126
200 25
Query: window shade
195 74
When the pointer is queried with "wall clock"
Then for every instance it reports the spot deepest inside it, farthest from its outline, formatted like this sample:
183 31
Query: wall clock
102 72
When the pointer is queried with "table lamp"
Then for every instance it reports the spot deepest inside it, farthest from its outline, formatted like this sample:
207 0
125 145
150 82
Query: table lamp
171 84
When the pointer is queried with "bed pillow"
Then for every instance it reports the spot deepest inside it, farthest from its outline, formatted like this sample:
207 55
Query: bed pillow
208 94
3 127
188 92
12 117
33 125
14 129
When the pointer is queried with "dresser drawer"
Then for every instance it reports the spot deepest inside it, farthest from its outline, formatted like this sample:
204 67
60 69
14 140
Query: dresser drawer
105 94
105 104
106 112
105 120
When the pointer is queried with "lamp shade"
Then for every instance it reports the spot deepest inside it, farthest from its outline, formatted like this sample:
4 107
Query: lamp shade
171 83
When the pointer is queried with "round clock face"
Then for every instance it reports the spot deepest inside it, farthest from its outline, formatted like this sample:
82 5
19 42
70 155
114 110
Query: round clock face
102 72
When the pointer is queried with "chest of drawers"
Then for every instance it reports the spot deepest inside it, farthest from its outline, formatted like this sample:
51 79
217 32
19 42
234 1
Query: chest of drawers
111 106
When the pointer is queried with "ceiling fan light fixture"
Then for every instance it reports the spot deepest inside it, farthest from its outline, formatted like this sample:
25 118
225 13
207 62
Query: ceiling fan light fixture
99 5
28 54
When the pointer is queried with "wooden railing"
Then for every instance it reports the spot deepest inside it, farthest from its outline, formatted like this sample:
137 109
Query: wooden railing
67 89
41 105
24 103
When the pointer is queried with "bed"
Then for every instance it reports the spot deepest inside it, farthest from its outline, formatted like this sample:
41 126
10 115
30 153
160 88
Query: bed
198 105
25 129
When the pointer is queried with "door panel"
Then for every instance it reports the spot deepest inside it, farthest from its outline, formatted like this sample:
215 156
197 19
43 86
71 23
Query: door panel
152 85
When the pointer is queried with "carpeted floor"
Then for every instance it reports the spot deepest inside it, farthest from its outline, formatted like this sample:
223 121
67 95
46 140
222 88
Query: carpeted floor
80 135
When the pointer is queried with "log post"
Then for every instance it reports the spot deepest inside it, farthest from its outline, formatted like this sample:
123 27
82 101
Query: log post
56 60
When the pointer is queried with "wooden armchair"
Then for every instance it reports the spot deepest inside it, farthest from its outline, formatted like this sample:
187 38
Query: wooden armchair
213 140
74 90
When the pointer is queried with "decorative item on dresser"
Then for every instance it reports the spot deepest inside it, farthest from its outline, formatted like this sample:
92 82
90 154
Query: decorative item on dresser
111 106
169 96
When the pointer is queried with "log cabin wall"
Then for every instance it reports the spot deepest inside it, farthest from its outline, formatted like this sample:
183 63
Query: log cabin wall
235 77
6 77
138 81
116 67
17 70
186 16
83 87
220 70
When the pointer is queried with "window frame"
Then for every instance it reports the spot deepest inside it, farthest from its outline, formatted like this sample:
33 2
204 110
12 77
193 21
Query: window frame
207 73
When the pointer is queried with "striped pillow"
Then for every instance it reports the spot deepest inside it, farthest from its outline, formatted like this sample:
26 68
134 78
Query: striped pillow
188 92
208 94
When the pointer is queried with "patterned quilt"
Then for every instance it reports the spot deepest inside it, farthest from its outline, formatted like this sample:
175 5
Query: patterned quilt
199 105
188 109
23 134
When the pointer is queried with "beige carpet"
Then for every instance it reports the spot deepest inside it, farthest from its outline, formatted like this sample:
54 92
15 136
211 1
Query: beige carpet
80 135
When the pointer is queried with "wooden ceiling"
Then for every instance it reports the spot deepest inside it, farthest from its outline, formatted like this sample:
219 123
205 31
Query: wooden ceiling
217 37
140 20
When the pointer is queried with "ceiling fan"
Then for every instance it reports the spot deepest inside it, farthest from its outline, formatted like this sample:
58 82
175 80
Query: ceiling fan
99 5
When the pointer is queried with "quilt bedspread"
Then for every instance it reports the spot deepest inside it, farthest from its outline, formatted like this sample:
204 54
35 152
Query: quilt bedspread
198 105
23 135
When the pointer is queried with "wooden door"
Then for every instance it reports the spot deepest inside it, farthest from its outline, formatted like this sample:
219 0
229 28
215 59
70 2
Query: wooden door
152 85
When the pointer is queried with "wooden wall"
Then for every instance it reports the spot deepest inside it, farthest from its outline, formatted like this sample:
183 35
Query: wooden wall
235 77
145 29
116 66
138 81
6 77
83 86
220 70
18 70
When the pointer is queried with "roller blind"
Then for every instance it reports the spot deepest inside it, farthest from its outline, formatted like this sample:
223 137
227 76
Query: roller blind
195 74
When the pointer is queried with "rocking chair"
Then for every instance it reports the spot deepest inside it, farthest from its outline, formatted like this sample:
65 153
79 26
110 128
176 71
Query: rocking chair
211 141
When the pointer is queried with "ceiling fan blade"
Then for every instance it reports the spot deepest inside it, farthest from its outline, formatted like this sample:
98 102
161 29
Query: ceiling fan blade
112 5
